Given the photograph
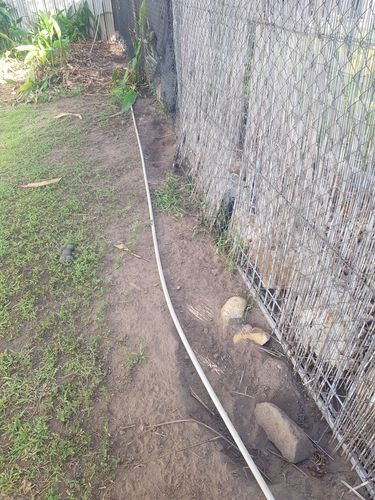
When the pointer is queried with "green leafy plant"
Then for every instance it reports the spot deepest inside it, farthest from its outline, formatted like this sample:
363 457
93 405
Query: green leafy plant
125 90
66 21
135 358
77 24
85 20
11 32
45 54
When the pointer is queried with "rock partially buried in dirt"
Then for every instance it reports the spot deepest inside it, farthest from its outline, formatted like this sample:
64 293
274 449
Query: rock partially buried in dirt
285 434
234 308
247 332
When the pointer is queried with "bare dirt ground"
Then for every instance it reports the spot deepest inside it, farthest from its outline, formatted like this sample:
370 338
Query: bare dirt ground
183 460
199 285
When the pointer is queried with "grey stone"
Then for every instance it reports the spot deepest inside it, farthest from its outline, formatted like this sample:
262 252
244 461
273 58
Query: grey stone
285 434
67 253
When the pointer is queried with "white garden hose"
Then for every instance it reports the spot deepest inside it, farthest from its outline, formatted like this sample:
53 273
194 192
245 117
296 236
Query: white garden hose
250 462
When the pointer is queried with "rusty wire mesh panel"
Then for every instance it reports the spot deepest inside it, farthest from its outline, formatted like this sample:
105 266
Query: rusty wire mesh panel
277 116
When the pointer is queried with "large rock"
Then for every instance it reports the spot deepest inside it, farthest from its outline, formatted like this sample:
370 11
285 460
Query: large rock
285 434
247 332
234 308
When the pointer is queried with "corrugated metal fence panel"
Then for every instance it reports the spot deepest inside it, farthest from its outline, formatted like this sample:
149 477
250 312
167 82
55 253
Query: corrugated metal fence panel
27 9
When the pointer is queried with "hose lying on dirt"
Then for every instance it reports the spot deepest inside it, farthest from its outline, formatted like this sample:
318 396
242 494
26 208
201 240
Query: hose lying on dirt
237 439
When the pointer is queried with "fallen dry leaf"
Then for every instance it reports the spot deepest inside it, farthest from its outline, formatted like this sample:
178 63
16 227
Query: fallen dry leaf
77 115
121 246
41 183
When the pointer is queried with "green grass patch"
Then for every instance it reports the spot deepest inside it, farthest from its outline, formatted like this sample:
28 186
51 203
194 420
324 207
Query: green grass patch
135 358
52 315
172 198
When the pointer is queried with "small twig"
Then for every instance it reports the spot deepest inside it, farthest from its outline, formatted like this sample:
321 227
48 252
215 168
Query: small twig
262 472
242 394
363 484
171 451
61 115
116 114
285 460
195 396
321 437
44 488
135 286
187 420
127 427
320 448
242 375
272 353
353 490
309 381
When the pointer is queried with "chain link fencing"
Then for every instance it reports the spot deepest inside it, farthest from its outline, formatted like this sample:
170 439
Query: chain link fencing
276 121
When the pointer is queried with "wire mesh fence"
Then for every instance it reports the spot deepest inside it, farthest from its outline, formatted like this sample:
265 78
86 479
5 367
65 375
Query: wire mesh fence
276 113
276 121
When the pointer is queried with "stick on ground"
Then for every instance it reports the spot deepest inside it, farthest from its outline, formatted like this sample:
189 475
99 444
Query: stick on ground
353 490
285 460
172 450
242 394
195 396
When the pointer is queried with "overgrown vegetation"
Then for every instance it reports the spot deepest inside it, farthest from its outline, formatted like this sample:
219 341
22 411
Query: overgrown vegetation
46 44
51 338
77 24
11 32
126 85
45 54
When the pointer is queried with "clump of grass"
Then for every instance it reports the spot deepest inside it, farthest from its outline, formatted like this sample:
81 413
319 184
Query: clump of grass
134 235
171 197
224 243
135 358
224 248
